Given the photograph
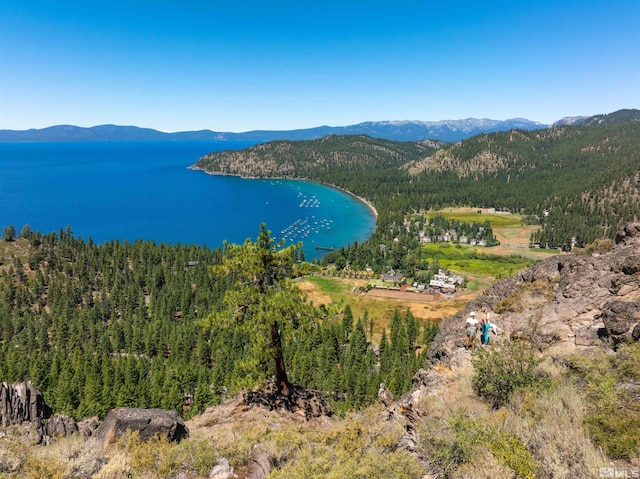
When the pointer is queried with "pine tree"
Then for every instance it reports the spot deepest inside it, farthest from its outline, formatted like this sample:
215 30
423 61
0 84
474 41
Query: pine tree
261 302
347 322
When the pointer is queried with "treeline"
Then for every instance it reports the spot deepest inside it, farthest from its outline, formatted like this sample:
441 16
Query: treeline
125 324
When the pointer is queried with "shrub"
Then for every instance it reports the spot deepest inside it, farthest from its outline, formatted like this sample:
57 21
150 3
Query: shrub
613 418
448 450
504 368
598 246
357 447
469 439
511 451
617 433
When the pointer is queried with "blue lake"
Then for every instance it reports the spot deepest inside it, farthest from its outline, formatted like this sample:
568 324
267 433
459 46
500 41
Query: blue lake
144 190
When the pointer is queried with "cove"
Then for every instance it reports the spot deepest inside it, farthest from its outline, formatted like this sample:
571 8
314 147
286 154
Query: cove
130 190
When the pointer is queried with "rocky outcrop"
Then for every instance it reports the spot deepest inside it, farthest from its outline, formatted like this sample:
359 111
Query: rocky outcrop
566 303
21 402
88 426
147 422
628 233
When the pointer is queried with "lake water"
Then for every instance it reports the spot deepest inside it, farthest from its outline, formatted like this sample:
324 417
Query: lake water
144 190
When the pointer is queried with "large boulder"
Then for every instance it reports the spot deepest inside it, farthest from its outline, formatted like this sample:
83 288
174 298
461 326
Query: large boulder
147 422
621 318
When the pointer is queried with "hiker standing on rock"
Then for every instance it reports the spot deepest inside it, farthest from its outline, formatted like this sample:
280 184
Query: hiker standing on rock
471 331
485 326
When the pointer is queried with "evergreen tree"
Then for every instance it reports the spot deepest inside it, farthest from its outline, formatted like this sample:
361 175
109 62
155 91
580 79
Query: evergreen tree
347 322
9 233
261 301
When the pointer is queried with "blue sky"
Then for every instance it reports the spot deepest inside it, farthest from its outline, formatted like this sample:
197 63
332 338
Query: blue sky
245 65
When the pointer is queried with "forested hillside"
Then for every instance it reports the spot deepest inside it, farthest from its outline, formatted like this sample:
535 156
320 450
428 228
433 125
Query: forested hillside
315 158
133 324
577 182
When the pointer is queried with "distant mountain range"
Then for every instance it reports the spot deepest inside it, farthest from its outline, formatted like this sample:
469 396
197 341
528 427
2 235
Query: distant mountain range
446 130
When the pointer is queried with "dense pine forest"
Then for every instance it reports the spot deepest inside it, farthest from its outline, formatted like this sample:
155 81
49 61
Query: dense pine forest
134 324
577 182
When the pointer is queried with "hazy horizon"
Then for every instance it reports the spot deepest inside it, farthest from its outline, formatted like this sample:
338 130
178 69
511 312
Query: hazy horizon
282 66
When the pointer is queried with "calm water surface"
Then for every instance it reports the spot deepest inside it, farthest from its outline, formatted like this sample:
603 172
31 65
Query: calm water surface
143 190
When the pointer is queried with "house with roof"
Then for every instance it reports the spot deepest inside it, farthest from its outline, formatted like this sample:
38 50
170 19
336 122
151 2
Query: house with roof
393 276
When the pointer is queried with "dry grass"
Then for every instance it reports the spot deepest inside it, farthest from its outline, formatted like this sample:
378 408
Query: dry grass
552 427
66 458
536 435
529 296
360 445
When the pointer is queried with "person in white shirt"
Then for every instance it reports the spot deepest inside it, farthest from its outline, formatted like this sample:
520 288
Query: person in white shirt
471 331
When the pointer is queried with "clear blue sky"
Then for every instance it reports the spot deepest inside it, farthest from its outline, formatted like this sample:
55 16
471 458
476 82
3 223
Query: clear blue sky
244 65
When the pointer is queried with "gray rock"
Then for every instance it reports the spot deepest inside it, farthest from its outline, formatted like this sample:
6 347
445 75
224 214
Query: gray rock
635 334
620 317
589 335
148 422
261 463
22 404
628 266
60 426
628 232
222 470
88 426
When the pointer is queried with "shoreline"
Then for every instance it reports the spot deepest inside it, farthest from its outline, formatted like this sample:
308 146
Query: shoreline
366 202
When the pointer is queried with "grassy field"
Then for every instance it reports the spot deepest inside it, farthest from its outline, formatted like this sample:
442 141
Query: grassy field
507 228
477 261
340 291
480 214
